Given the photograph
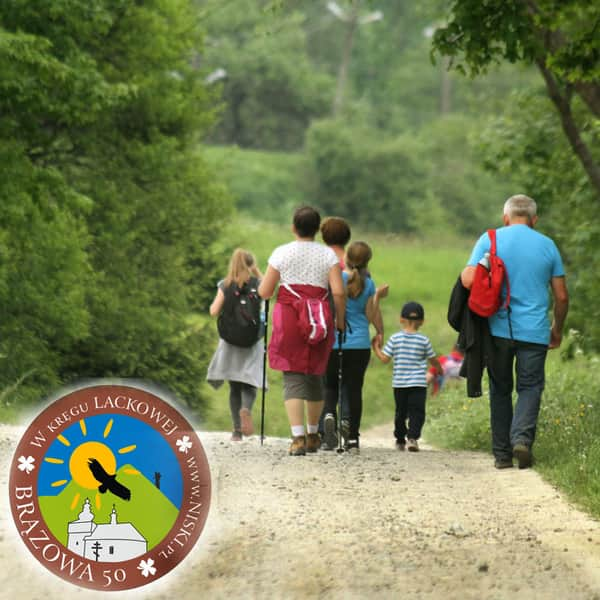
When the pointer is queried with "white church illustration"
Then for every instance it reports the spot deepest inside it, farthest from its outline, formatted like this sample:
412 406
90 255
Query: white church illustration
104 542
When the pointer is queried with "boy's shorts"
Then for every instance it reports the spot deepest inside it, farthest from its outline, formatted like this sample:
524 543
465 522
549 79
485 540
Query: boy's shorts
302 386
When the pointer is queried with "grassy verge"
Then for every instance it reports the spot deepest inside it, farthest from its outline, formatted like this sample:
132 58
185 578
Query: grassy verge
567 447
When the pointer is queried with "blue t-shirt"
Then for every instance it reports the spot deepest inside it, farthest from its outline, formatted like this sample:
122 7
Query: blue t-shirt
409 353
531 260
357 329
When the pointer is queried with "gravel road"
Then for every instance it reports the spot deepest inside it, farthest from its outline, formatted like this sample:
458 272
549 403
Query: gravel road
383 524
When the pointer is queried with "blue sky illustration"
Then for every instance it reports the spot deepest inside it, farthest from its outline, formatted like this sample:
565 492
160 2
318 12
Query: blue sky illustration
152 453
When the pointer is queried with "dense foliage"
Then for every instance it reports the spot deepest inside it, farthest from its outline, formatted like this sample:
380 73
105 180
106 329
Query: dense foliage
107 211
548 139
399 153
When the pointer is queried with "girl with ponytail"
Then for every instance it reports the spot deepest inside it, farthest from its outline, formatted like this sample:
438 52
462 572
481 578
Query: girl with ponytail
362 309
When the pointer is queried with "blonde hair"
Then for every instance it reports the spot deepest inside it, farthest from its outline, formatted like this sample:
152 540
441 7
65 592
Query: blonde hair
520 206
240 263
358 256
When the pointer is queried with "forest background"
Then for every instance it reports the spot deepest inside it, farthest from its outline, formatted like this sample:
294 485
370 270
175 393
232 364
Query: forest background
141 142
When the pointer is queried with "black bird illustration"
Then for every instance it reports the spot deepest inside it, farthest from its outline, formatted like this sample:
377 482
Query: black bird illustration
106 481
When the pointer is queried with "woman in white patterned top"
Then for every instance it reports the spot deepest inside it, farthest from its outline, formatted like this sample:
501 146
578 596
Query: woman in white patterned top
305 270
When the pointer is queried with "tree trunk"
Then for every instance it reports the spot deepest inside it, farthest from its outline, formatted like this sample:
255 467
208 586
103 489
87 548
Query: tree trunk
569 126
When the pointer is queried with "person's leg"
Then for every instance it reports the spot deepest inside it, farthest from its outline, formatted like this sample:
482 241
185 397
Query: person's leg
416 397
500 372
530 364
358 361
400 415
235 403
331 384
248 398
314 408
294 407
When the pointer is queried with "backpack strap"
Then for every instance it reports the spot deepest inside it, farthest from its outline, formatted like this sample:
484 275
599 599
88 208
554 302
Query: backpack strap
506 303
492 235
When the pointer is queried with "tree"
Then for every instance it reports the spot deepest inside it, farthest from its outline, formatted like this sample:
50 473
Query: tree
102 112
525 147
271 90
561 38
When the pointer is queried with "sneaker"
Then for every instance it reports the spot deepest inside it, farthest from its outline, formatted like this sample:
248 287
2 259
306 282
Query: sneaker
345 429
236 436
351 446
400 446
523 455
503 463
413 446
246 419
298 446
330 438
313 442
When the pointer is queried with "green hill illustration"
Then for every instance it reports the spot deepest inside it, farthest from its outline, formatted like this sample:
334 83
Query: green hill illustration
149 510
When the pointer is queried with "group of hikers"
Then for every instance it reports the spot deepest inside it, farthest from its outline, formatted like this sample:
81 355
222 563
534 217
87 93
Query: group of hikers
321 340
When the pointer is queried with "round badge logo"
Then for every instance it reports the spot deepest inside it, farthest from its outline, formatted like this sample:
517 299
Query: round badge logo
110 487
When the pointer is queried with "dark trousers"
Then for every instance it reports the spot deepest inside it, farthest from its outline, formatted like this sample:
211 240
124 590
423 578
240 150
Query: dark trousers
519 426
410 406
354 366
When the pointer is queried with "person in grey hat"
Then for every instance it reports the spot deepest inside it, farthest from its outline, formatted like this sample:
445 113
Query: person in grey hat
409 351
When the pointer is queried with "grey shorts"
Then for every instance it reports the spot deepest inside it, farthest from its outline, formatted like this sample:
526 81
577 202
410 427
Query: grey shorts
304 387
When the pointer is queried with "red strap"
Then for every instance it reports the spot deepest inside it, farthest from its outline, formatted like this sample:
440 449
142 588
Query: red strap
492 236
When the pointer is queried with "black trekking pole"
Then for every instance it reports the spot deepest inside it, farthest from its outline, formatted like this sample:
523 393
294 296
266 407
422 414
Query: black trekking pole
340 448
264 375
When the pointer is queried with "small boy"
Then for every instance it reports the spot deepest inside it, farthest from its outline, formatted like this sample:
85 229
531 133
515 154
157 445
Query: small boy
409 350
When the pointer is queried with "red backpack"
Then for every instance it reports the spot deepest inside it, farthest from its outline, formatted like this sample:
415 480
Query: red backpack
486 292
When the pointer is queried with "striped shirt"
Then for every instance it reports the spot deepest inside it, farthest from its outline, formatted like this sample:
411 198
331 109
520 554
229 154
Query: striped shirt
409 353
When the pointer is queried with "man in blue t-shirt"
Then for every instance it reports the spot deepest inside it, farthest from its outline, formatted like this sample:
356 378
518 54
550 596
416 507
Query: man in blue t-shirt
521 334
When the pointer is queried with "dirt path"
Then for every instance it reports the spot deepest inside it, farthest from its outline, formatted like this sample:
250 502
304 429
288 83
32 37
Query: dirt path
384 524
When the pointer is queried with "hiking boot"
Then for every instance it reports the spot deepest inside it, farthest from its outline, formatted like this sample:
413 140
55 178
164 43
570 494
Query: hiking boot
236 436
503 463
523 455
298 446
246 419
313 442
400 445
351 446
330 438
412 446
345 429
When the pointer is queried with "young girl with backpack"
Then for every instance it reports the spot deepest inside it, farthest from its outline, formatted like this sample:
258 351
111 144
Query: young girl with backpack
239 358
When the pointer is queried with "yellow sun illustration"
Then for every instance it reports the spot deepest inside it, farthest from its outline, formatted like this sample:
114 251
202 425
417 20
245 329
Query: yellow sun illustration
79 465
79 462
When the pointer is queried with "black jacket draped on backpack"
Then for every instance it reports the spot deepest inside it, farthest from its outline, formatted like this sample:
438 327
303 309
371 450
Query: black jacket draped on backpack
474 338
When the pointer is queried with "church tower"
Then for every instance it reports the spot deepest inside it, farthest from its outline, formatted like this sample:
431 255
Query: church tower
81 528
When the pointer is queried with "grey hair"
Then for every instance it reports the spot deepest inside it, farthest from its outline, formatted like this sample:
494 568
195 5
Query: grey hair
520 206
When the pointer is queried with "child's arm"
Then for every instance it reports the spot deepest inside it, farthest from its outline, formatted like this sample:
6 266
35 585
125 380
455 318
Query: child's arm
376 344
217 303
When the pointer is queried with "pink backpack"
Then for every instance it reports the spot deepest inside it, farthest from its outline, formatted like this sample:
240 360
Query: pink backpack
313 316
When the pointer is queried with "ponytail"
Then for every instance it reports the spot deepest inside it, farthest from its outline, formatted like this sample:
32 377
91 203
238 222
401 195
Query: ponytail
356 282
357 258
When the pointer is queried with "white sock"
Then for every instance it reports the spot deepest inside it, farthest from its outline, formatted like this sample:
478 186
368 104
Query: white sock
297 430
313 428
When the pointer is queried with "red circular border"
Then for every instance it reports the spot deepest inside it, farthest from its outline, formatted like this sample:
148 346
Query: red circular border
168 553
